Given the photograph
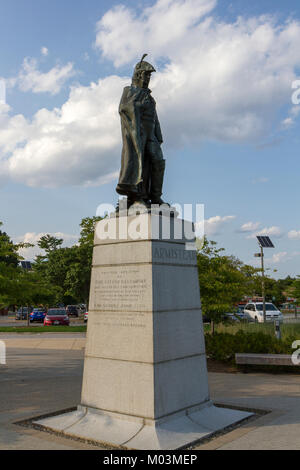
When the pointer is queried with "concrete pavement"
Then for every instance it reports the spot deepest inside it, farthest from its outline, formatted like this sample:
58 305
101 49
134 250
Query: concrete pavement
37 381
56 341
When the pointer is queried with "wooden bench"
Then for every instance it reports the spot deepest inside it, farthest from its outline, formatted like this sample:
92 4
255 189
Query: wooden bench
264 359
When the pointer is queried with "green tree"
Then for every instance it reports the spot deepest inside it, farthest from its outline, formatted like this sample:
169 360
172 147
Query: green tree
224 280
68 269
10 271
79 275
49 243
294 289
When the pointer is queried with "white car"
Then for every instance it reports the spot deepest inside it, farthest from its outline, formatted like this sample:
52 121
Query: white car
255 312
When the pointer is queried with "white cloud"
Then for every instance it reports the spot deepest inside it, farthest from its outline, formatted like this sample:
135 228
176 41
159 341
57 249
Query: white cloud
291 119
32 79
31 237
279 258
294 234
78 143
221 81
282 257
213 225
249 227
122 35
274 231
44 51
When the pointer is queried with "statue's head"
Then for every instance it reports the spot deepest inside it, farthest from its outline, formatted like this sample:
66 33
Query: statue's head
142 73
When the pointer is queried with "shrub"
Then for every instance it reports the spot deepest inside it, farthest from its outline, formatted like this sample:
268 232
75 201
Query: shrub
223 346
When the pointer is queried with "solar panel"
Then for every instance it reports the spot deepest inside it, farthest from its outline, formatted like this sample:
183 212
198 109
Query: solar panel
265 242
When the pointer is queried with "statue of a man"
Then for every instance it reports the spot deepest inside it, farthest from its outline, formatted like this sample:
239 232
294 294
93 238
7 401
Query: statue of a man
143 165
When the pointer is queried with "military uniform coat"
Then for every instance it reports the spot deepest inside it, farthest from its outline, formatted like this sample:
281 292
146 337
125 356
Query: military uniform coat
140 126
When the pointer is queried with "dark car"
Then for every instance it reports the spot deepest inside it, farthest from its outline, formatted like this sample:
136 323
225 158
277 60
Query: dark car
38 315
22 313
56 316
72 311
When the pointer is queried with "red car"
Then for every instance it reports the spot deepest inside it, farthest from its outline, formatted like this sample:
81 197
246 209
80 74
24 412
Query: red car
56 316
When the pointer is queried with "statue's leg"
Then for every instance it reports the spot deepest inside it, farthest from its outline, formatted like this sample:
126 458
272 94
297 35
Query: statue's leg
158 165
141 195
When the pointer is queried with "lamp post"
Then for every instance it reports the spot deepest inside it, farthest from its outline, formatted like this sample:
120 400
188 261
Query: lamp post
264 242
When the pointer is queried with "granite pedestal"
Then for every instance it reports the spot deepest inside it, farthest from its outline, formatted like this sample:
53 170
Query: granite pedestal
145 378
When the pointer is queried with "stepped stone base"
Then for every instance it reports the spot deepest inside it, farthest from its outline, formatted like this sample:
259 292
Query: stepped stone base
145 380
116 430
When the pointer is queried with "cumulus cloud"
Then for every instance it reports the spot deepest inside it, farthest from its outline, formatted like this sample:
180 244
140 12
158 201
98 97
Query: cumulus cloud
32 79
291 119
213 225
78 143
274 231
33 238
294 234
249 227
223 81
122 35
44 51
217 81
279 258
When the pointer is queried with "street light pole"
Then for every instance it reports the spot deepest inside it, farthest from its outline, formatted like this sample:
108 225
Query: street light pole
263 281
264 242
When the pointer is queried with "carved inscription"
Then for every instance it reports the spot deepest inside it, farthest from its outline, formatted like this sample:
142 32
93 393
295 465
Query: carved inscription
178 255
121 297
122 319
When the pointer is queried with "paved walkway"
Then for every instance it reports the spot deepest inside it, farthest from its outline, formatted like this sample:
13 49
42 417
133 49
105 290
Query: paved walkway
57 341
280 394
37 381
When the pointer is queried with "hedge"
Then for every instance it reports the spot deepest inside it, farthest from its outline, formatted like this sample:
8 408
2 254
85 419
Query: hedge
223 346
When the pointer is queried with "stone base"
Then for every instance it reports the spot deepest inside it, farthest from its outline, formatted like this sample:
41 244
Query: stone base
169 433
138 208
145 382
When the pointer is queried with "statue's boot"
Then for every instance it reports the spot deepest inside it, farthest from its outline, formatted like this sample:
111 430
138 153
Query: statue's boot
157 179
138 200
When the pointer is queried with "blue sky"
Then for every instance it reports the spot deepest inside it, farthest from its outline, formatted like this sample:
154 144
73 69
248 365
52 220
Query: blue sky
223 91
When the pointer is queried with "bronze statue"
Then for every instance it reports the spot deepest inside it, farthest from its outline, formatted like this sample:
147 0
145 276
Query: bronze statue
143 164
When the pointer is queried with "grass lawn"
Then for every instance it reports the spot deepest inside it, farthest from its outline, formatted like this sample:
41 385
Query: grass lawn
43 329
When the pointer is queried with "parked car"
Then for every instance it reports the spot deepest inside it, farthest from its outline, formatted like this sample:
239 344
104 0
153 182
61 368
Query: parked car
230 317
254 311
86 317
206 319
240 313
242 316
72 311
22 313
37 315
56 316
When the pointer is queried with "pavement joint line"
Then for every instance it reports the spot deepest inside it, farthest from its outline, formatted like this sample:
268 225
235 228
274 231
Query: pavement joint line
35 432
248 425
39 429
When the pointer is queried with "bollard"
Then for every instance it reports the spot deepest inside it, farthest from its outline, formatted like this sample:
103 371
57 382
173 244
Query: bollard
277 329
2 353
